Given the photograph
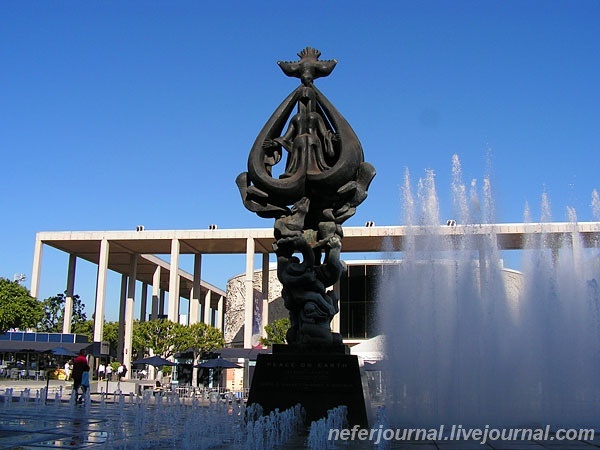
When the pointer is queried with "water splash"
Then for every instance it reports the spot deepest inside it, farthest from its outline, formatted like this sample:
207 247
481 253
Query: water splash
146 422
472 343
320 430
596 205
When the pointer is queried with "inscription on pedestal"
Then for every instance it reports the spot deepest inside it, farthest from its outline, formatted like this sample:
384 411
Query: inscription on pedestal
318 382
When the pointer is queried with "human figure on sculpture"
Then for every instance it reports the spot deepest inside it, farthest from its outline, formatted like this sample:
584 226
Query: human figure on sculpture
316 316
307 139
311 308
80 367
332 268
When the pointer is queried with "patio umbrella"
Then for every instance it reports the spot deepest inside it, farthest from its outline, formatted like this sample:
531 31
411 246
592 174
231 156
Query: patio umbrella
218 363
155 361
61 351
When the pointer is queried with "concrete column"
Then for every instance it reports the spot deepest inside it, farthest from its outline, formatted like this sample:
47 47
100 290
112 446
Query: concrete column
161 303
129 304
68 314
249 292
37 267
576 249
206 310
155 292
195 294
482 270
220 320
174 282
335 322
101 290
193 311
121 335
265 293
144 301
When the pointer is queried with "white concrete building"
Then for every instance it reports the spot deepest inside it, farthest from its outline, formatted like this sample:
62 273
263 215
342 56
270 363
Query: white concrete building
135 256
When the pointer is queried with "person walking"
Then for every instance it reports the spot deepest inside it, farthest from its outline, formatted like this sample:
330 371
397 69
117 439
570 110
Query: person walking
101 370
122 372
109 372
80 367
68 369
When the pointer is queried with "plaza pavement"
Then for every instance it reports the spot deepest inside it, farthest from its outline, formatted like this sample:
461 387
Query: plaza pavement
36 427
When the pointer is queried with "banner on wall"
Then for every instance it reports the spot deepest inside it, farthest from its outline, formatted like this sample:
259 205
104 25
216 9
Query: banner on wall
257 304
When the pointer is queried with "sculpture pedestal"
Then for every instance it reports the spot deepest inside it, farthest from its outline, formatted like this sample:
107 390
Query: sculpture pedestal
318 378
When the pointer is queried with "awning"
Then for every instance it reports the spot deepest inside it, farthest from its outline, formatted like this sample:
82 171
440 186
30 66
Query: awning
247 353
39 347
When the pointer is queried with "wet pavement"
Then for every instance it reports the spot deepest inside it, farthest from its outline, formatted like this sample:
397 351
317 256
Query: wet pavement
130 422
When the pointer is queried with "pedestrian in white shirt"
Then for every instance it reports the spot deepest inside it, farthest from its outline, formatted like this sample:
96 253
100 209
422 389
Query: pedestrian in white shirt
101 370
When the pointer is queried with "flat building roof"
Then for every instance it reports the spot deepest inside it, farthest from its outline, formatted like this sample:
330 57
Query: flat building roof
150 243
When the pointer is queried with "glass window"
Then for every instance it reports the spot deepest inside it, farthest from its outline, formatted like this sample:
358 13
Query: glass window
358 299
67 337
41 337
16 336
81 339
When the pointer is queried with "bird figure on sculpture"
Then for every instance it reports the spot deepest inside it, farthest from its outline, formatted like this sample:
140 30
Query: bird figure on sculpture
309 68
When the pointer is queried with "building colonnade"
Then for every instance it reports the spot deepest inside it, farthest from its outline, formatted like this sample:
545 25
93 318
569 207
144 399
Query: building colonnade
206 302
132 254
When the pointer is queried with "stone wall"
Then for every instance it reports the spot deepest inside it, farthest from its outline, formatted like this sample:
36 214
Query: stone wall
236 291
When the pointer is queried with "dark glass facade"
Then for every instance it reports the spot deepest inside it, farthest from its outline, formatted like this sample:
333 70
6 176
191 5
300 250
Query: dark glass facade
358 294
22 336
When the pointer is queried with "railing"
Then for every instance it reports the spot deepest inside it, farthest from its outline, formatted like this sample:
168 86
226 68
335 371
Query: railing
22 374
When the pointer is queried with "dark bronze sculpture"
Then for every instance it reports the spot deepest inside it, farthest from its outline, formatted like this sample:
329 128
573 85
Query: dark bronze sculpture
324 180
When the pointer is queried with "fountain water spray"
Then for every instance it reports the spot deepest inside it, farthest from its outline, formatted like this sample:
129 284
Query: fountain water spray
147 422
320 430
471 343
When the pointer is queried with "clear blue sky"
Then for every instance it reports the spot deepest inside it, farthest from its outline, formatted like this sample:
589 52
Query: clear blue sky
120 113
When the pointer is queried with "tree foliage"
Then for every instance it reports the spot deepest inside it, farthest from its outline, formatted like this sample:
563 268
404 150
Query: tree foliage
161 337
86 328
165 338
54 314
110 333
276 332
201 338
18 309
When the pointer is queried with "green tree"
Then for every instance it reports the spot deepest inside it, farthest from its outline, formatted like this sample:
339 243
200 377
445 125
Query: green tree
54 314
201 338
276 332
86 328
162 337
110 333
18 309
